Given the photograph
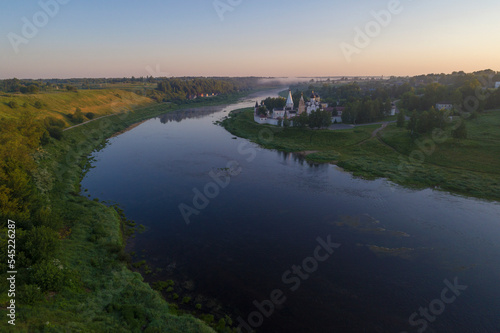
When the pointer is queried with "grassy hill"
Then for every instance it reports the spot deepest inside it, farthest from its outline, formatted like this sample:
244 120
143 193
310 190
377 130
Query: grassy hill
73 272
60 104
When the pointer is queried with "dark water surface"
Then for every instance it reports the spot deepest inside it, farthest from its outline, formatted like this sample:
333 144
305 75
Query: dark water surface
395 246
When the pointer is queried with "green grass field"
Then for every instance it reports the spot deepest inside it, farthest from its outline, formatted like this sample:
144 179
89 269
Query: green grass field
59 104
469 167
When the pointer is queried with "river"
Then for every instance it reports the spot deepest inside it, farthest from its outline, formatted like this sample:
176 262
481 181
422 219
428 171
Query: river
290 247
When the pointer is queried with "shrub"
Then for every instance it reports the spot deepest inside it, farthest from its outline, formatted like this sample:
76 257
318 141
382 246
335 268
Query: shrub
48 274
90 115
12 104
38 105
207 318
40 243
77 117
29 294
55 132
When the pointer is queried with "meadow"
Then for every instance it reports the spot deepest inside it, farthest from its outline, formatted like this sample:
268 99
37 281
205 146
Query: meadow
469 167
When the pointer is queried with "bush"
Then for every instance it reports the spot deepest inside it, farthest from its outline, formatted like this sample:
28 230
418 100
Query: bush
40 243
77 117
55 132
12 104
49 275
29 294
90 115
38 105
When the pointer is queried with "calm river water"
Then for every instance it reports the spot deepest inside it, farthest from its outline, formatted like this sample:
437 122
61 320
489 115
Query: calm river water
293 247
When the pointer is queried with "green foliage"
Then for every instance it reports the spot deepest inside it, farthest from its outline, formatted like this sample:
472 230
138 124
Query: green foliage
33 89
77 116
301 121
55 132
184 88
161 285
412 124
40 243
262 111
90 115
186 300
30 294
49 275
38 105
12 104
320 119
221 325
449 167
401 119
198 306
274 103
460 132
40 212
207 318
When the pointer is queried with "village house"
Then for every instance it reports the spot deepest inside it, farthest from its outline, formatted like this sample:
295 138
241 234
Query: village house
444 106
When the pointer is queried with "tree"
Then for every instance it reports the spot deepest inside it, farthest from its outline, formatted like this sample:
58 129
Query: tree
301 121
412 124
286 122
320 119
262 111
401 119
77 117
33 89
460 132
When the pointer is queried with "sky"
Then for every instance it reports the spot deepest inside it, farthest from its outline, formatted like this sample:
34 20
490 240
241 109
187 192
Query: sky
278 38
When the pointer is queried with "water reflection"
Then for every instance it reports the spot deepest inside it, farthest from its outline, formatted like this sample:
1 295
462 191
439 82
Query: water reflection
195 113
398 245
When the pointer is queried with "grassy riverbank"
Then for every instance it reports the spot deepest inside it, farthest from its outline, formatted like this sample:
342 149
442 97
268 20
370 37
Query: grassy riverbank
470 167
96 291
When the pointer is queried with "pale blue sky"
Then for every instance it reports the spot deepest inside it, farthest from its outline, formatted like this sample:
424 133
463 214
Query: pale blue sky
117 38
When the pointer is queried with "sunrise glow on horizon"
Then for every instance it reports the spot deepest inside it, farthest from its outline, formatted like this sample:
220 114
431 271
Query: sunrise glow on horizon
249 38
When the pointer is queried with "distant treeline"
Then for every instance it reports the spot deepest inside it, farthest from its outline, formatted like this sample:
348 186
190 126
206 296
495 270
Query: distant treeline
171 86
366 101
180 89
